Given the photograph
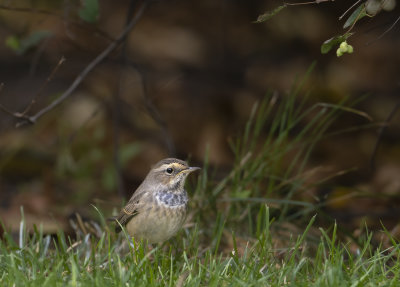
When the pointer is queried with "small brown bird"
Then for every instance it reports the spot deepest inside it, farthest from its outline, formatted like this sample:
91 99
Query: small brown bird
157 209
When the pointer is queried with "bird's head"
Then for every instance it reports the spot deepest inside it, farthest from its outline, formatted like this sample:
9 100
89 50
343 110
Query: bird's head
169 174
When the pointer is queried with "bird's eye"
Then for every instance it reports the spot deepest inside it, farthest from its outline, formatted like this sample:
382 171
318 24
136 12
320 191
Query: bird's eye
170 170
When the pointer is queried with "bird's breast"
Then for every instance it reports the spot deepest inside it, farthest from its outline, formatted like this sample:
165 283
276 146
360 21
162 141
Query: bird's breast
157 222
172 199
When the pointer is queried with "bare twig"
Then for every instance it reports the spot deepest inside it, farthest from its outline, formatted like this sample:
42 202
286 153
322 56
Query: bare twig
87 70
152 110
347 11
3 108
380 134
49 78
7 111
155 115
385 32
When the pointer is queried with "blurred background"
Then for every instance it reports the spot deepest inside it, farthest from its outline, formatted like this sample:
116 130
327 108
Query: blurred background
182 84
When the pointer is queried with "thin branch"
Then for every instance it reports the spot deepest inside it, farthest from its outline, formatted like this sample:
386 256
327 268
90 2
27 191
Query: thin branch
380 135
153 111
3 108
385 32
155 115
7 111
89 68
347 11
49 78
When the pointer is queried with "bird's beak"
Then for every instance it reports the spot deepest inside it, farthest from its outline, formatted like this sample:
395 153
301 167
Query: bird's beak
193 168
190 169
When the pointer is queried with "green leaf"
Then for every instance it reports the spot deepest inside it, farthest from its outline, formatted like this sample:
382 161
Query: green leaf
89 11
20 46
359 13
13 43
269 14
34 39
332 42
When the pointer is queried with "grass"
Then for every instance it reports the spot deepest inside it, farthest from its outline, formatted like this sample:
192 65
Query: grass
256 226
42 260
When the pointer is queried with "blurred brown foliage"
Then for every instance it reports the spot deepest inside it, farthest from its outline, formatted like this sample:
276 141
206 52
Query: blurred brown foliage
190 76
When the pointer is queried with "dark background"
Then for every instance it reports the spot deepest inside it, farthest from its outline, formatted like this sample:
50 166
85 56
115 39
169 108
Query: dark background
191 75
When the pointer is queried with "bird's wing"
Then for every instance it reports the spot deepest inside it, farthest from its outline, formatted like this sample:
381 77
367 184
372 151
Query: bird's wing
130 210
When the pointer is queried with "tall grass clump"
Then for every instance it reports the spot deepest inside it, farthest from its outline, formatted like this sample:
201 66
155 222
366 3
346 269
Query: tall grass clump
272 163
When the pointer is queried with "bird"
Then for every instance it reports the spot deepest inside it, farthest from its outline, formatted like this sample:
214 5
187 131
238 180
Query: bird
157 209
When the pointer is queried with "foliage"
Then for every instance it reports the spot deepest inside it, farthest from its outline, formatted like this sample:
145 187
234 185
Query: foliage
368 8
269 14
22 45
358 13
89 11
344 48
332 42
272 157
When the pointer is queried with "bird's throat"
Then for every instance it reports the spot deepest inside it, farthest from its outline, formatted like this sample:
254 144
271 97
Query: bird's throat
172 199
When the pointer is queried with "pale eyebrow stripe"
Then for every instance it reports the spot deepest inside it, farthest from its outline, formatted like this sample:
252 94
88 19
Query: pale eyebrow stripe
173 165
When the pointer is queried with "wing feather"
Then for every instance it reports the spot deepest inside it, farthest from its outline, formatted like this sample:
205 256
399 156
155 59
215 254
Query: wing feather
131 209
